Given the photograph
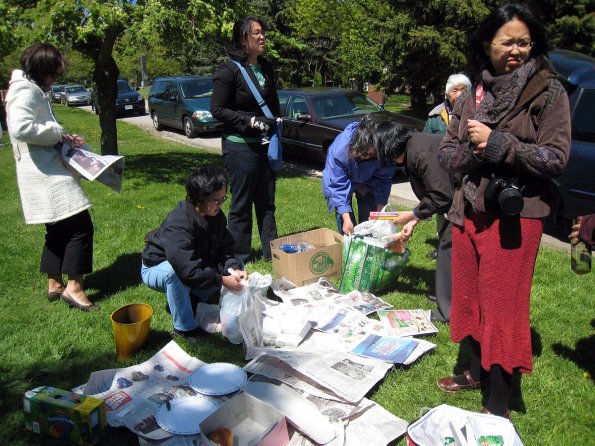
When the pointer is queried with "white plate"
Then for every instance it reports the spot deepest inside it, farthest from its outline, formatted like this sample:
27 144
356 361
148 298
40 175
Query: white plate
219 378
185 414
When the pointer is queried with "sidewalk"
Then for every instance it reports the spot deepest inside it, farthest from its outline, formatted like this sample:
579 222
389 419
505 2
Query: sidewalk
402 195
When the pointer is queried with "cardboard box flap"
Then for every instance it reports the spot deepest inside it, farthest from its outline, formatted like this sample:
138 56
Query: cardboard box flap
299 411
307 266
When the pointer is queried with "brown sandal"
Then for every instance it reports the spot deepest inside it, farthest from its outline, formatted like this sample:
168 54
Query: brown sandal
448 384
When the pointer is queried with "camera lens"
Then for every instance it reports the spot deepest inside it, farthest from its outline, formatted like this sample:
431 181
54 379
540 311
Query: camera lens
511 201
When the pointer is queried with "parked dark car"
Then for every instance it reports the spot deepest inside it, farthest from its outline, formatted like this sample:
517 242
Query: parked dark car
56 92
75 95
128 101
183 102
313 117
576 184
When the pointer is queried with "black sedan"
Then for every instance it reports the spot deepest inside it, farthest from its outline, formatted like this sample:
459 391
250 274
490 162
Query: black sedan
313 117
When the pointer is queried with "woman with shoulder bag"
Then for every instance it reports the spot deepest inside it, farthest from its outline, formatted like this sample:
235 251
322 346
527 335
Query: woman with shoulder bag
507 137
245 135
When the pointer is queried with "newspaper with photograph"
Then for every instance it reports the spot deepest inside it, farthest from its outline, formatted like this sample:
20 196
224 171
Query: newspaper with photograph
406 322
133 394
107 169
347 376
355 424
323 290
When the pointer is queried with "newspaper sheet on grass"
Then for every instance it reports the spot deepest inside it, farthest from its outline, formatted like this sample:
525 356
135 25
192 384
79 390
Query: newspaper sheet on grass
355 424
340 375
107 169
400 323
133 394
324 291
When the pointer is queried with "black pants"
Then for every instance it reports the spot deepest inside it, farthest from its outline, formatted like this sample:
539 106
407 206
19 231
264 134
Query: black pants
444 275
68 246
252 182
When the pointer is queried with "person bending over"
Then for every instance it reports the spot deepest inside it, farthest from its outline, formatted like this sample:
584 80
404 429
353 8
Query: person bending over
353 167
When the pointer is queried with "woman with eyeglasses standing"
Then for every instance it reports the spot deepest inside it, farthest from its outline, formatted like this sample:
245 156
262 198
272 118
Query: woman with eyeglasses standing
189 256
50 193
507 137
245 130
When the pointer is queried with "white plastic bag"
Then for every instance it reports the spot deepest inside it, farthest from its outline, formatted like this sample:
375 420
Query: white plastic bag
436 425
233 304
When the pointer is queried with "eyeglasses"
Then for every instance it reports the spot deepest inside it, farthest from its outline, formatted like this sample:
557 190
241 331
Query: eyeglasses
522 45
217 201
255 34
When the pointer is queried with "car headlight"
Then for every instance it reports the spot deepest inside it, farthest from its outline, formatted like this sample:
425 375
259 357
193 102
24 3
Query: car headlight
201 114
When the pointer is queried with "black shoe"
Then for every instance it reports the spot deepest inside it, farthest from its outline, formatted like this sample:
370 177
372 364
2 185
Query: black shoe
432 255
167 308
437 316
196 333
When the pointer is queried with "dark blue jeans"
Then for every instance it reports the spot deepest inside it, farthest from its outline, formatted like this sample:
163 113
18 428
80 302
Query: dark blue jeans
251 183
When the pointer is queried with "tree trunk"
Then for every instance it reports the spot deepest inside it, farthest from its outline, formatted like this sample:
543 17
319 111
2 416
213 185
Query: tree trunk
418 98
105 76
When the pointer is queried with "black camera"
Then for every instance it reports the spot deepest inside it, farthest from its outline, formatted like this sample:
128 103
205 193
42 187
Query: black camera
507 192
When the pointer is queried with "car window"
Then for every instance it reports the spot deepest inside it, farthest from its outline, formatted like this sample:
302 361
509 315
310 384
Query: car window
196 88
297 106
283 101
582 117
124 86
77 89
171 91
363 104
158 89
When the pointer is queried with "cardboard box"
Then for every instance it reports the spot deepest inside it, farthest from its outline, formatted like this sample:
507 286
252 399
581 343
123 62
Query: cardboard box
252 422
306 267
64 415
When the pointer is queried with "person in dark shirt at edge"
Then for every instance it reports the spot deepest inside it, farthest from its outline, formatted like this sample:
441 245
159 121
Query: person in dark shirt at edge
191 253
252 181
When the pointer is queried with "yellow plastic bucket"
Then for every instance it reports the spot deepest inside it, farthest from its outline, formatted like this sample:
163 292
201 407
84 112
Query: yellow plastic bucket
131 325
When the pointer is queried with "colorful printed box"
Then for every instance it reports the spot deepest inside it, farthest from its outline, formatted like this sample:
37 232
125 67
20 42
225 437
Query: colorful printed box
64 415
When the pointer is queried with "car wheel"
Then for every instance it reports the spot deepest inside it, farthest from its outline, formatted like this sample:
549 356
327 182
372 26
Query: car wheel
189 129
156 122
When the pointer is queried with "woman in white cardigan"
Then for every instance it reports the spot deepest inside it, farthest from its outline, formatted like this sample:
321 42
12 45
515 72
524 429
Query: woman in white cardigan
50 193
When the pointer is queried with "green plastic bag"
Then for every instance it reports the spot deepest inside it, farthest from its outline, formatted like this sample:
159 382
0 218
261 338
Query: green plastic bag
368 267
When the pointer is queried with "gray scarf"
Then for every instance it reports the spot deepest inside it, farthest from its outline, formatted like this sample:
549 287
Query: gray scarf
501 93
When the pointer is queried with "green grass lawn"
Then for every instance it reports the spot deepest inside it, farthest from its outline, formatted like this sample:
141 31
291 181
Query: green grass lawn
50 344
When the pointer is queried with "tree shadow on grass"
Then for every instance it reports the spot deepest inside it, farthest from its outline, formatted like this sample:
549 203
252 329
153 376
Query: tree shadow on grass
582 354
174 167
121 274
73 367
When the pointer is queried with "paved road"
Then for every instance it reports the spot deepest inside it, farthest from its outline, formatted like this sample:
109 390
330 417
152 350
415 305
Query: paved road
401 192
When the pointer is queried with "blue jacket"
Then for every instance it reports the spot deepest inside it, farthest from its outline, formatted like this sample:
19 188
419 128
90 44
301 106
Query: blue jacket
342 177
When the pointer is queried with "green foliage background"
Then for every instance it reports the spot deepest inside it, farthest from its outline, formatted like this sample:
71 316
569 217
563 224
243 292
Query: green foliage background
394 42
